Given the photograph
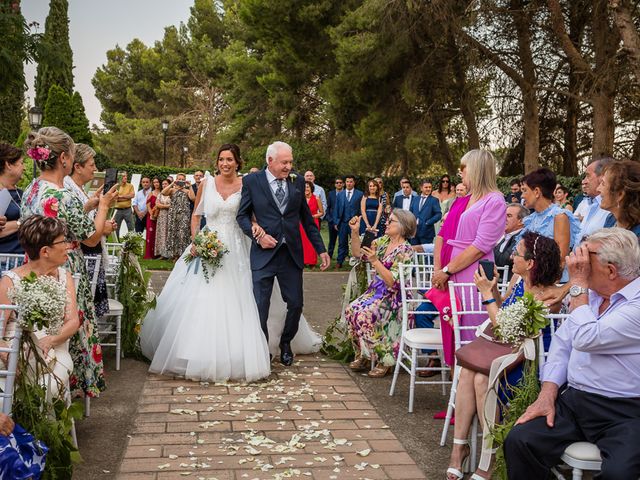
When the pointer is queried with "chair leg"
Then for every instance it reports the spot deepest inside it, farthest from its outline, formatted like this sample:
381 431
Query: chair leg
87 405
576 474
412 384
118 339
450 406
396 370
474 443
443 372
74 438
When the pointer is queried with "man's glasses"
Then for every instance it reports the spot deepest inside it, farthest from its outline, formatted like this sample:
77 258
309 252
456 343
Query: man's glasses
59 241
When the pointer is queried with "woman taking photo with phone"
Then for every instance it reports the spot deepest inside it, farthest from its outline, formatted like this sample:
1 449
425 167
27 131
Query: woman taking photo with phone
375 317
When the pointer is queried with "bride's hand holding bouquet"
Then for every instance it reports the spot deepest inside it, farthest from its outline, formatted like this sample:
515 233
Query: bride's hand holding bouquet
209 250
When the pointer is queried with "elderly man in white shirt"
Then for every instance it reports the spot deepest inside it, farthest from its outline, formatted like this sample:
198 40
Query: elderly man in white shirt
139 204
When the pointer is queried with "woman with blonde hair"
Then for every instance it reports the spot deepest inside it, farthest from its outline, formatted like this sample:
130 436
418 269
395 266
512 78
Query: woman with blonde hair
471 230
54 152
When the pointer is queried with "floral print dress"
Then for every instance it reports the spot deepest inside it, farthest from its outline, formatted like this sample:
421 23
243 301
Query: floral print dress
178 225
375 317
45 198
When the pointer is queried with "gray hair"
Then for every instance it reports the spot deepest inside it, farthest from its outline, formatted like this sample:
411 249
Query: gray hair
522 211
83 154
601 164
275 148
406 221
620 248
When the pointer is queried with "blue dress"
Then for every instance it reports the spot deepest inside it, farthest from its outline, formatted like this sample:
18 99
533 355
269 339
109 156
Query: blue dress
21 456
371 209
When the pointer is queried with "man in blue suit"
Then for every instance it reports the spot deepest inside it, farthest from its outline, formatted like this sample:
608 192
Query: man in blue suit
347 206
427 210
331 207
403 200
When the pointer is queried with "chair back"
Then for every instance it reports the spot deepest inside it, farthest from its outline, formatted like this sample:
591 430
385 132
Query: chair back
423 258
555 319
503 279
9 261
92 262
470 301
8 371
415 280
112 266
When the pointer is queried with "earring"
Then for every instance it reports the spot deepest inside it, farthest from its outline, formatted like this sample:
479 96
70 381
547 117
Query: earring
64 164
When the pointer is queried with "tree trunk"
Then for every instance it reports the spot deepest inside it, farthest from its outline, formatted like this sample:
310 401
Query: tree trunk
635 155
531 131
627 30
605 43
466 100
443 145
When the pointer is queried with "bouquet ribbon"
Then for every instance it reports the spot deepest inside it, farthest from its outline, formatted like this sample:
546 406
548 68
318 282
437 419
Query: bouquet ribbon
498 366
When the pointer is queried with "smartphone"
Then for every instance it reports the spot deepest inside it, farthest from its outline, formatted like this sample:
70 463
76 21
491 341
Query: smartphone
180 183
368 239
110 179
487 266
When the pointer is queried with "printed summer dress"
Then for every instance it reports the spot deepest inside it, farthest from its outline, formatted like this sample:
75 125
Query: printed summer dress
45 198
375 317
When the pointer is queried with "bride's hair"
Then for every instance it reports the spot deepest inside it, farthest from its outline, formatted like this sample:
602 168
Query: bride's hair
235 150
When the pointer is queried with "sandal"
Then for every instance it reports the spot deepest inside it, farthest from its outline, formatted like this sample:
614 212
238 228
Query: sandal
459 474
359 364
379 372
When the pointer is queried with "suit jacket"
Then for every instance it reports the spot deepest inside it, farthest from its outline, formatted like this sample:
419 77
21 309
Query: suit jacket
504 258
427 217
397 201
346 210
258 199
331 206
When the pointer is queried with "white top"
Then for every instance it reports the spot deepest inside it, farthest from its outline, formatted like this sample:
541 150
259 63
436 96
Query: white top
140 200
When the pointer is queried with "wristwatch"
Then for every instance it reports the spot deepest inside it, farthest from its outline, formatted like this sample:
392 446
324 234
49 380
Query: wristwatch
576 290
446 270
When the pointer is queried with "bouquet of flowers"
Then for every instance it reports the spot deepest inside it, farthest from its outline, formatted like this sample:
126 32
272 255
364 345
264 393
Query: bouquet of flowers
522 319
209 251
41 302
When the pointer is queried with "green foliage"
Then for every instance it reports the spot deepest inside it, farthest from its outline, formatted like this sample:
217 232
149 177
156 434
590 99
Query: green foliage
79 126
153 170
55 59
58 110
132 288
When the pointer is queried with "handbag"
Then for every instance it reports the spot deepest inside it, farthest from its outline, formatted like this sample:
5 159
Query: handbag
481 352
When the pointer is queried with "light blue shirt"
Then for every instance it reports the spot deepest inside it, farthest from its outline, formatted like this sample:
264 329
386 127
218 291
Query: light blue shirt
593 220
319 192
140 200
599 353
273 182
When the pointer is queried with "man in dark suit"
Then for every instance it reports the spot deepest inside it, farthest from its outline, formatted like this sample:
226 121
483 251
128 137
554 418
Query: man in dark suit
274 197
331 206
515 223
426 209
404 201
514 195
347 206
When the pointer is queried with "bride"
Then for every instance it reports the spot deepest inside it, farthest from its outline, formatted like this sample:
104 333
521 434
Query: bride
211 331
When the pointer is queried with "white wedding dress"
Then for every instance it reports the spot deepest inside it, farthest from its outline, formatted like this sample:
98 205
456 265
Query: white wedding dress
211 331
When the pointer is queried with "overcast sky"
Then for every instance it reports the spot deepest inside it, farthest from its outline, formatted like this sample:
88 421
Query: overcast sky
96 26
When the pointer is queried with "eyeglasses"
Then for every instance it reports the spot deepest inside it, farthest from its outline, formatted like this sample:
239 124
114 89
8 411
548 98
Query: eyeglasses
444 181
515 253
59 241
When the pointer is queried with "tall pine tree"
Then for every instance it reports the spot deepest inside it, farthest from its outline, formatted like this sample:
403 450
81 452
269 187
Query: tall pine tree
55 59
13 53
58 109
79 128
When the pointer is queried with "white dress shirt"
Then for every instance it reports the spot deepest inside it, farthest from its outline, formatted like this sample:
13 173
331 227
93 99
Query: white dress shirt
140 200
273 183
593 220
507 237
406 203
319 192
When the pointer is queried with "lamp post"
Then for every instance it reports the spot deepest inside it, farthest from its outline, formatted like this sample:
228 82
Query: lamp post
185 150
35 120
165 128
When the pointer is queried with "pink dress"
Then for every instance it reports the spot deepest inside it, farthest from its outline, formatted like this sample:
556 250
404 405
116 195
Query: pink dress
481 225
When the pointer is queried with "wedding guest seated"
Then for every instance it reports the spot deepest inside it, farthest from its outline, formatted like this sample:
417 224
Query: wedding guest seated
620 192
375 317
11 168
44 241
515 222
21 456
591 380
514 194
536 265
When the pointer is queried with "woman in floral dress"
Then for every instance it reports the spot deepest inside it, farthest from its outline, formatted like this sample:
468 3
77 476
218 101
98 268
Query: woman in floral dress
375 317
179 223
54 151
163 203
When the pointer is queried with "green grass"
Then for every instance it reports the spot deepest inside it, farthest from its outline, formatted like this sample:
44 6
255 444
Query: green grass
163 264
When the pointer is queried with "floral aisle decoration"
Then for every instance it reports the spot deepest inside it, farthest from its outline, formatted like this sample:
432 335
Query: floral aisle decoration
134 292
209 253
336 342
41 303
519 324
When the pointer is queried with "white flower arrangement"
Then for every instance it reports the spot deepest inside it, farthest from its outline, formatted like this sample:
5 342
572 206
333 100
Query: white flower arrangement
41 303
522 319
293 177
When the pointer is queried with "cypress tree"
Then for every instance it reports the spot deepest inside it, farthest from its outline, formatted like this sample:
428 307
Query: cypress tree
79 128
55 59
58 109
13 41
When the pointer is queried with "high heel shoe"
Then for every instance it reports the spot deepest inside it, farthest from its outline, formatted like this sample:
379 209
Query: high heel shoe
459 474
379 372
359 364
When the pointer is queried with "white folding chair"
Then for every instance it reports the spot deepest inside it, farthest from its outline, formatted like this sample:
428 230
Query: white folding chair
106 327
503 279
423 258
415 279
92 264
9 261
470 304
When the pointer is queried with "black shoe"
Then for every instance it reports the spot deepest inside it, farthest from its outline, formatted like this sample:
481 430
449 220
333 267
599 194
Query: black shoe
286 355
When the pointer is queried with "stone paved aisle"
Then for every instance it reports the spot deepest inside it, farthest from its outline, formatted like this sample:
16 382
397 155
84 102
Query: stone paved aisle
307 421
